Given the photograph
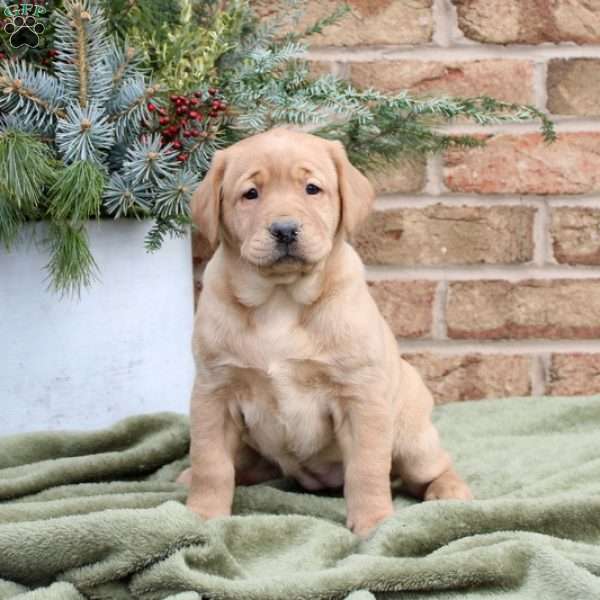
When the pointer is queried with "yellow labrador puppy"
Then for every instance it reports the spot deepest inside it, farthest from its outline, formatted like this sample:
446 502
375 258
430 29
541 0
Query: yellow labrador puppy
297 371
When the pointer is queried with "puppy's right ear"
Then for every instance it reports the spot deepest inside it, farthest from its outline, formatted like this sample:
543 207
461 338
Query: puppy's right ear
206 201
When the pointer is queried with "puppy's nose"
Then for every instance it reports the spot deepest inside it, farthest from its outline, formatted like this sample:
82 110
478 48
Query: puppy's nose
285 232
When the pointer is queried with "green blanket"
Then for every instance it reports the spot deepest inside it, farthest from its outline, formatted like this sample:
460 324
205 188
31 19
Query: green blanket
98 515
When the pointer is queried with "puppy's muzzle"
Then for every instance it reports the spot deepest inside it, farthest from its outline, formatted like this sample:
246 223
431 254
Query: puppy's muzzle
285 234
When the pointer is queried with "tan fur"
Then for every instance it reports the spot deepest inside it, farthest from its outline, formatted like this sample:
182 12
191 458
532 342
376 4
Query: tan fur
297 371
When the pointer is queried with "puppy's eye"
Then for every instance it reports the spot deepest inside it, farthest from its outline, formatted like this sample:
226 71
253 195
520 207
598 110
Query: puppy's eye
312 189
251 194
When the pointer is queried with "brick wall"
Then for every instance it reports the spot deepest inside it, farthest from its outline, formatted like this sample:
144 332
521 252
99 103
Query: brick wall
487 262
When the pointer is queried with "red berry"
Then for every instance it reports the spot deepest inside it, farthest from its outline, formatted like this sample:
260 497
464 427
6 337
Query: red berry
182 157
162 111
173 97
2 56
177 144
212 91
194 132
181 110
193 114
216 104
198 94
164 120
223 106
194 101
151 107
186 134
213 113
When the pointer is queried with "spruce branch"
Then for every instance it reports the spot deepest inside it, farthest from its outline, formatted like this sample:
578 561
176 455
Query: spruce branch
30 92
173 227
123 198
129 107
174 194
84 134
149 162
83 45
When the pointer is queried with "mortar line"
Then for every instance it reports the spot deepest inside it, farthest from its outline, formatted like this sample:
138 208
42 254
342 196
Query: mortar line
562 125
391 200
434 176
438 329
525 347
454 53
541 250
512 273
441 32
540 78
537 376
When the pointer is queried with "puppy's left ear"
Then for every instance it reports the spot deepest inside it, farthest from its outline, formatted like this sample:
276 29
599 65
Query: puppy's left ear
356 192
206 201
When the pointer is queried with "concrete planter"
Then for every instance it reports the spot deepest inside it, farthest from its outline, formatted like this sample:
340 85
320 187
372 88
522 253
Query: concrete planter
122 348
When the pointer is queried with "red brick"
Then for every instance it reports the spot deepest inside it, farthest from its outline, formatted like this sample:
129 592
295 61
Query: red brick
406 305
576 235
473 376
530 21
546 309
574 374
525 164
438 235
406 177
574 87
508 80
368 22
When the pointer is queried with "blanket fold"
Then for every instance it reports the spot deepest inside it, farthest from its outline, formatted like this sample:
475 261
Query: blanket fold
98 515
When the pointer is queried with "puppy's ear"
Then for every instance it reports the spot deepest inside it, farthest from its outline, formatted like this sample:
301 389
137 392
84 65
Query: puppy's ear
206 201
356 192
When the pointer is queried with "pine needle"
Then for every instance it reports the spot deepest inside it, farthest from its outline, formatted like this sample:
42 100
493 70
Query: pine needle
71 266
77 193
25 170
11 219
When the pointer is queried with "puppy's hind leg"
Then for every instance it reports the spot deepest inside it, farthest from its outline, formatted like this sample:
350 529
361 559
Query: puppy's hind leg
418 457
426 468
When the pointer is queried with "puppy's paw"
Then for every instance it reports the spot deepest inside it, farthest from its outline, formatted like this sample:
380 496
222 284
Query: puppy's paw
364 524
448 486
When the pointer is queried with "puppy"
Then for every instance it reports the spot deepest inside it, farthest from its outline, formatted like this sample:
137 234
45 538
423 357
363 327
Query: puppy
297 371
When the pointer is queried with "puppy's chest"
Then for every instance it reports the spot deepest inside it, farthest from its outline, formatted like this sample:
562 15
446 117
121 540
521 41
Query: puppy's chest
284 393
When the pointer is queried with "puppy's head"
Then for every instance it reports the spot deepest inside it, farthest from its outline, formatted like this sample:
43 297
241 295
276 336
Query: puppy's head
281 198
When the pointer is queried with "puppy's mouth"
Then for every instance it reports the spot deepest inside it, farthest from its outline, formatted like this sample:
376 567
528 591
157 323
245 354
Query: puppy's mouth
286 258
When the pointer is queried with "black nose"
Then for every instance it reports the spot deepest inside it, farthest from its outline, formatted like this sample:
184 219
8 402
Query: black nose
285 232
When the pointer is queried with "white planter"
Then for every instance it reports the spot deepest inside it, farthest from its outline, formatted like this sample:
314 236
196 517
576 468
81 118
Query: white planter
122 348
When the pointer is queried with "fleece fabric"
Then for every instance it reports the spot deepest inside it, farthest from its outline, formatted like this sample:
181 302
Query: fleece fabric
97 515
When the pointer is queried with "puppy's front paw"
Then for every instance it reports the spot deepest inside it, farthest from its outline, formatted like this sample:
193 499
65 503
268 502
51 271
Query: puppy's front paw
362 525
448 486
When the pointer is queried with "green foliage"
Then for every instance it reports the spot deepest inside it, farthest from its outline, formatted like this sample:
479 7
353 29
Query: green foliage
88 135
11 220
76 195
182 52
71 264
25 170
